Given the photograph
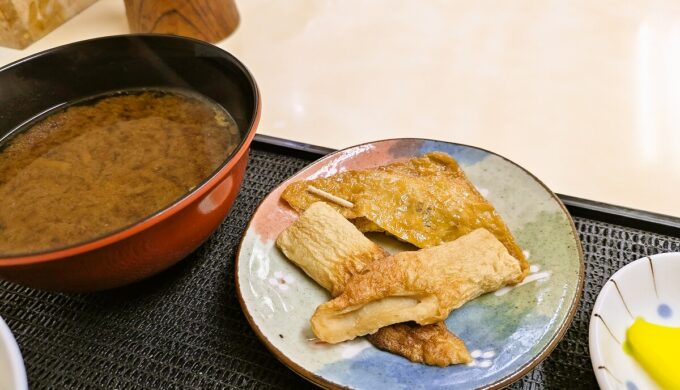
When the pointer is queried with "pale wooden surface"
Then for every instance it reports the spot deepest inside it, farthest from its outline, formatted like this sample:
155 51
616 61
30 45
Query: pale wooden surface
584 94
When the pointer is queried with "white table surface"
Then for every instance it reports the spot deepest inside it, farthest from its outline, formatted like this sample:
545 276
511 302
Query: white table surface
585 94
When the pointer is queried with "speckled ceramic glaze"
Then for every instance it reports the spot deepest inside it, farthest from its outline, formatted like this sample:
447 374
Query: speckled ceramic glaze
647 288
507 332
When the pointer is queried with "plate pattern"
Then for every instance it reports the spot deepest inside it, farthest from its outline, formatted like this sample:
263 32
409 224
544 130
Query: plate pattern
507 332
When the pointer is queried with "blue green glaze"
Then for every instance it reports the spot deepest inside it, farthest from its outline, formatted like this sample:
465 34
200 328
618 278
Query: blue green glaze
506 333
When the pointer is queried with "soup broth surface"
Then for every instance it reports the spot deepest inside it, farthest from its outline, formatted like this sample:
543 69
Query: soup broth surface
104 164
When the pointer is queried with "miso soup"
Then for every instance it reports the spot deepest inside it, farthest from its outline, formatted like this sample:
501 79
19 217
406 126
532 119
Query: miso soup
106 163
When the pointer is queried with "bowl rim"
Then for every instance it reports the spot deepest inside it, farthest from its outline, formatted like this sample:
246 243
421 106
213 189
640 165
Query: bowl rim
595 332
177 205
16 361
499 384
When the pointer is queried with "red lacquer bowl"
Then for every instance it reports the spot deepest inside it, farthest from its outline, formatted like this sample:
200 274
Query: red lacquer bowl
68 73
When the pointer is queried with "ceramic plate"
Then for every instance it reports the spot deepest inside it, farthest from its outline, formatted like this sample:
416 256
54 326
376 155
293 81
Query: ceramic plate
648 288
507 332
12 372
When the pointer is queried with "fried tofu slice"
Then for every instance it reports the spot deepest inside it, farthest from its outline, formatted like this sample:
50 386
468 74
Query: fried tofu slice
365 225
431 344
425 201
331 250
327 247
422 286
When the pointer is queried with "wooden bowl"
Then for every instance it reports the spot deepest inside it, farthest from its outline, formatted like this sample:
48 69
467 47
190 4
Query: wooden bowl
64 74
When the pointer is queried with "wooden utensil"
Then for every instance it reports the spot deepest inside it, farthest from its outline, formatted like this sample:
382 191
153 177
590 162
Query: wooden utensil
207 20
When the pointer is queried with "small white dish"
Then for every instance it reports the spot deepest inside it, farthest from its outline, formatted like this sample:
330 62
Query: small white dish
645 288
12 372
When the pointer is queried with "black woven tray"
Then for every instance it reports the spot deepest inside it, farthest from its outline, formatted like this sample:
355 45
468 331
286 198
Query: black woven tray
184 328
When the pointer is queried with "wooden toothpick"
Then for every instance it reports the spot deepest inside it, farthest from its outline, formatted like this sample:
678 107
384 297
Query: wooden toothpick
330 197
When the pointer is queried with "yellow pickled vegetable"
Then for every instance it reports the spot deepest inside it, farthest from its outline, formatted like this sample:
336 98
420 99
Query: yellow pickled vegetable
657 349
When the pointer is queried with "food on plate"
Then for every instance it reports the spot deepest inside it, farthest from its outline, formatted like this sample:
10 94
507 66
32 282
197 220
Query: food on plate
327 247
366 225
400 301
422 286
330 250
656 348
431 344
425 201
105 163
